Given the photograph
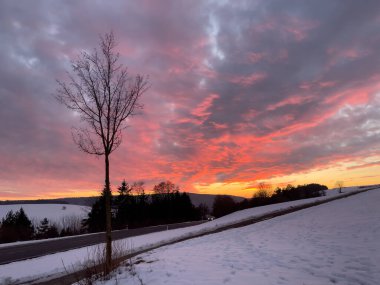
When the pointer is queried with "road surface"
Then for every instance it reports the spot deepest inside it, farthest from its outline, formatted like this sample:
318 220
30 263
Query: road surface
39 248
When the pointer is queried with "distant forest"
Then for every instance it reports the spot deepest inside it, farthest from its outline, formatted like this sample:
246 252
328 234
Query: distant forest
133 208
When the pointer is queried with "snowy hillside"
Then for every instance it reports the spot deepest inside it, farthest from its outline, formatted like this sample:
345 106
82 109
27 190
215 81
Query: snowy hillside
334 243
320 240
54 212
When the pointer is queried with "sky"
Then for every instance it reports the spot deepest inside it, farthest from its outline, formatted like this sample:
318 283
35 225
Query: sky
241 92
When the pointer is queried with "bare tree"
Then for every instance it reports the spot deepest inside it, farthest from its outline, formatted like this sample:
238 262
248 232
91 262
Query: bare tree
263 190
339 184
102 93
138 188
165 188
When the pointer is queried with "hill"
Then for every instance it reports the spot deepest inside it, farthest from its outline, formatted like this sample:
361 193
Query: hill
55 212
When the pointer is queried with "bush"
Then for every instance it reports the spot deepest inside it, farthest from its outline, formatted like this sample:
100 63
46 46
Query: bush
290 193
223 205
71 225
261 198
93 269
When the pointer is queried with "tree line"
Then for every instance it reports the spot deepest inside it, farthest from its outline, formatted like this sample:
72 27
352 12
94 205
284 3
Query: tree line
224 204
133 208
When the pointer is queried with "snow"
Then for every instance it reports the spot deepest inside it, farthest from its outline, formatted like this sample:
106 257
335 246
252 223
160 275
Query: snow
55 213
334 243
53 264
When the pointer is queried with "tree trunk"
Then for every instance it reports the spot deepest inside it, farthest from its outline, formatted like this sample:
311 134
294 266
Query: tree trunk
108 219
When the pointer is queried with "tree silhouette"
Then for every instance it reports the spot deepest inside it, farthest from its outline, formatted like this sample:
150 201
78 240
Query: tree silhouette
339 184
223 205
263 190
262 195
96 220
165 188
46 230
124 188
16 226
102 93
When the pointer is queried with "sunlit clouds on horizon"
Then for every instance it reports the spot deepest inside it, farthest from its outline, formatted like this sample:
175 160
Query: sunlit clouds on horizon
242 92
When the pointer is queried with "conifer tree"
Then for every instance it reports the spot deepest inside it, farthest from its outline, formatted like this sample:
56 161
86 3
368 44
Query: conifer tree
16 227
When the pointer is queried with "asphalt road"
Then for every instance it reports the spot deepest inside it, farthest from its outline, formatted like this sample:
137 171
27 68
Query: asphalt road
39 248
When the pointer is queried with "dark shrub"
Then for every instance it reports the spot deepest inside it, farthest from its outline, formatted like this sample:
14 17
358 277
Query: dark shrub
223 205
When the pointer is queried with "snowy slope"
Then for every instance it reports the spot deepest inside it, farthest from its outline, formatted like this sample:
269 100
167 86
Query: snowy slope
334 243
53 264
54 212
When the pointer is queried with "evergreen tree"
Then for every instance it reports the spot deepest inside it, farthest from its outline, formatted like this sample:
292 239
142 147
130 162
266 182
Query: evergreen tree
16 227
96 221
24 226
125 205
42 228
46 230
124 189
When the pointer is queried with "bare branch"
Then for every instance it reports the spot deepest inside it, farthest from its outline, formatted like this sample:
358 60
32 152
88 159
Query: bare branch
84 140
104 96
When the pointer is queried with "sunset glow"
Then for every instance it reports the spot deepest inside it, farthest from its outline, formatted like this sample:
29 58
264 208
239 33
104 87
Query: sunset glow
285 92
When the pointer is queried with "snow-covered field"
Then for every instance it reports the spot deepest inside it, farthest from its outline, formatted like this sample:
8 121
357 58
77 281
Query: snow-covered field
273 248
334 243
55 213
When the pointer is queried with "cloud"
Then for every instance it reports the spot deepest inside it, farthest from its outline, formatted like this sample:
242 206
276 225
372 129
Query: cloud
241 91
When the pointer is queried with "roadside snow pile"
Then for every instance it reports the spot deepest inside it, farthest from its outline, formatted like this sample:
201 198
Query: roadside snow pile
53 264
334 243
55 213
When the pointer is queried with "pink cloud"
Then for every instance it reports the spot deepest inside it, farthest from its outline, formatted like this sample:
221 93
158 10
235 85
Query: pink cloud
290 26
294 100
365 165
337 54
299 28
202 110
248 79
